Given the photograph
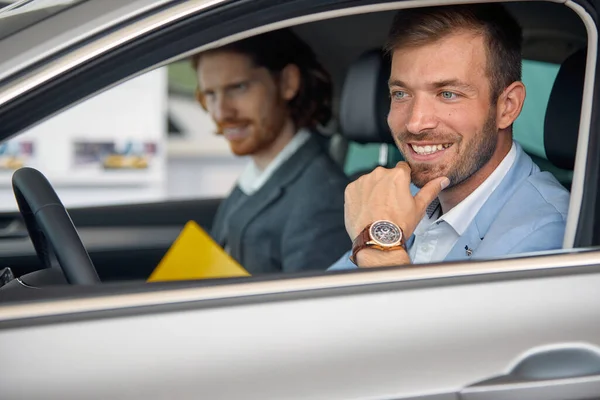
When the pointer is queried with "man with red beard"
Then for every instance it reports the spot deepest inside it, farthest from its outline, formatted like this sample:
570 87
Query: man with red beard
465 190
268 95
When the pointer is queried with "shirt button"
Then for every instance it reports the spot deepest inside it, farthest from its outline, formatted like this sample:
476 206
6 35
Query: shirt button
424 248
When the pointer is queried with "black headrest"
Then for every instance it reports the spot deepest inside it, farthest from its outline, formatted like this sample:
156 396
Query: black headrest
365 100
561 125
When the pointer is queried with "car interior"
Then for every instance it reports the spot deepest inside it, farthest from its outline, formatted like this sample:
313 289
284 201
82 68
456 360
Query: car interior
126 242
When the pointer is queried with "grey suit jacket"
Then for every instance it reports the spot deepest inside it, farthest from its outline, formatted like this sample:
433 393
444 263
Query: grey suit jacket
294 222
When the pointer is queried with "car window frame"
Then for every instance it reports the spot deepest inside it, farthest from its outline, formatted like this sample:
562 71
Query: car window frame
88 57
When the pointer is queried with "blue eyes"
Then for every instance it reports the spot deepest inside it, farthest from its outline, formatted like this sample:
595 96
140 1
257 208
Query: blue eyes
398 95
448 95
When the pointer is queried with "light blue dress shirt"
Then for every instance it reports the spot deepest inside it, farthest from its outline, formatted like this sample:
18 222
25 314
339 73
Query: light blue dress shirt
527 212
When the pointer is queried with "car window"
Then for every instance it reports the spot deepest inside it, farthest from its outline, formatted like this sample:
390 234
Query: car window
149 141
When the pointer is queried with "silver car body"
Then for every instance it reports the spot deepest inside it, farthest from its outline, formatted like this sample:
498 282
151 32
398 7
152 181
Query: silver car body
431 333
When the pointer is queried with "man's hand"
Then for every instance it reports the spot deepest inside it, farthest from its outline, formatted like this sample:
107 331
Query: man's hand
385 194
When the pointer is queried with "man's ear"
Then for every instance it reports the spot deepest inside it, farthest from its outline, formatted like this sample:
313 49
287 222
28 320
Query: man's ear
510 104
289 81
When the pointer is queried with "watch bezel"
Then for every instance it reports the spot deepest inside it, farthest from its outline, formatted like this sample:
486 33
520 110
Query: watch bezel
379 243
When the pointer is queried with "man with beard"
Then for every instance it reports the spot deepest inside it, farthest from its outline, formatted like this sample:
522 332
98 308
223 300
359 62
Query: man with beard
466 189
267 95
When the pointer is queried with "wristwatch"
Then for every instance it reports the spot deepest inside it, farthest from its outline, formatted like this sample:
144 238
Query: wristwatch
381 235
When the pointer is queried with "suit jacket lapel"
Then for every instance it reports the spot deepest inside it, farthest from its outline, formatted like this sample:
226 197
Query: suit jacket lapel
273 189
467 244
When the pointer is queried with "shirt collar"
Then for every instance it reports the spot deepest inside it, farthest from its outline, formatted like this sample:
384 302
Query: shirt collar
461 216
252 178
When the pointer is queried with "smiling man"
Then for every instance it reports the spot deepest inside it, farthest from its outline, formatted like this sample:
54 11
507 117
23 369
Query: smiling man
466 189
268 94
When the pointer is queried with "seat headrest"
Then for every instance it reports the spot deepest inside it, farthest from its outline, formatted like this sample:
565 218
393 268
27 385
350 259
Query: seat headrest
561 124
365 101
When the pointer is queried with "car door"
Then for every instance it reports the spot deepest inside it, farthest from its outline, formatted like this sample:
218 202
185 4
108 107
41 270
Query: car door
522 328
510 329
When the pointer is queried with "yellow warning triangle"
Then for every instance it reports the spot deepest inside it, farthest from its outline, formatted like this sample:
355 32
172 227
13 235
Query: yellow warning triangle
195 255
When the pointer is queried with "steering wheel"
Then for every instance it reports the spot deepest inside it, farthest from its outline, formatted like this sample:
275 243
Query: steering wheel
50 227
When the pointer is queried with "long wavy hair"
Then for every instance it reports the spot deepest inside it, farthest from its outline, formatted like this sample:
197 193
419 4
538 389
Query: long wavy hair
312 105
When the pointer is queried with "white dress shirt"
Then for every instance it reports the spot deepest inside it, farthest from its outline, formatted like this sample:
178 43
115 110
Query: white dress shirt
252 178
435 236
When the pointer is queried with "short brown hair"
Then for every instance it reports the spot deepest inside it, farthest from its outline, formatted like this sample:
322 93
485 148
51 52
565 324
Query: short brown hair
502 33
275 50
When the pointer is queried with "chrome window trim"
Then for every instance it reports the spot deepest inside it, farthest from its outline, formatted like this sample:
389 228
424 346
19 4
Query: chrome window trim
294 285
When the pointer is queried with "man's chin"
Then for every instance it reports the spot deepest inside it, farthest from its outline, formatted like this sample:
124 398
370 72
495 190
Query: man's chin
241 151
420 179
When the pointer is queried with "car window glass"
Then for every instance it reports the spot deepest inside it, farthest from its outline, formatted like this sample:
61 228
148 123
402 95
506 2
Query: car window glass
148 140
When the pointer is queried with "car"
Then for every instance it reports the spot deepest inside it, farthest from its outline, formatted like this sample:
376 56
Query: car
521 327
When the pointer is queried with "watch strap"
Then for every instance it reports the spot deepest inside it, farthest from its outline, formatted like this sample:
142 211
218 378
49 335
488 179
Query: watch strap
360 242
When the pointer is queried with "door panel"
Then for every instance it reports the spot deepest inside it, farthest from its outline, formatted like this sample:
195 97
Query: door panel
421 339
124 241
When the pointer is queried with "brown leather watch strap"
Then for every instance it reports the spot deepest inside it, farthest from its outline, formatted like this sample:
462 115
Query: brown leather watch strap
360 242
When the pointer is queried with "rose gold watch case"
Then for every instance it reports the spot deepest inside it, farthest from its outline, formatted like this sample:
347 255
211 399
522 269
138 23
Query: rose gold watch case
384 246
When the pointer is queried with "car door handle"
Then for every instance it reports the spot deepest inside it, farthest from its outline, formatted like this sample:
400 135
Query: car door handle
566 373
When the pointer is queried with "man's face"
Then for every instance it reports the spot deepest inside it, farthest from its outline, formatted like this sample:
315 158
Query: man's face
243 100
441 115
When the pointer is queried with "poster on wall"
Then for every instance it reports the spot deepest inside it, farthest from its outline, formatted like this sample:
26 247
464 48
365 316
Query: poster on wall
109 155
16 154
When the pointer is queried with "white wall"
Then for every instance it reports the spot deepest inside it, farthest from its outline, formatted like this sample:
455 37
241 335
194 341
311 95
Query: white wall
197 165
202 177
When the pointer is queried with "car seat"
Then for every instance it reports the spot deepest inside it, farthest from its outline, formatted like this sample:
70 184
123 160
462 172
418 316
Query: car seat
364 106
561 123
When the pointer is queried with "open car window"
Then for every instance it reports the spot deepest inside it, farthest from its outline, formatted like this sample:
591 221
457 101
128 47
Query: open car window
155 168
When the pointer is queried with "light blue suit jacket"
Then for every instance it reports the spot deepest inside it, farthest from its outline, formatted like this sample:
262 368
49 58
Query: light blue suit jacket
527 212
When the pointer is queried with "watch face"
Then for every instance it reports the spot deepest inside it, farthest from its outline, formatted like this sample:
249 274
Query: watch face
386 233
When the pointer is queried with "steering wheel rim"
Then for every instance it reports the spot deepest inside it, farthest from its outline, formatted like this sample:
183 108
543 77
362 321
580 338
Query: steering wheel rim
50 227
